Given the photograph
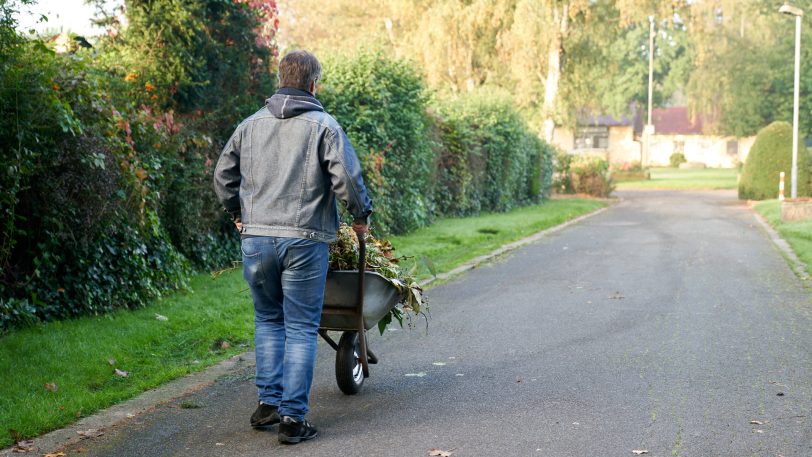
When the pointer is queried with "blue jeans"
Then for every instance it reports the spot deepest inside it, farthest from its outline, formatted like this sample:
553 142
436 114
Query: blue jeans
286 277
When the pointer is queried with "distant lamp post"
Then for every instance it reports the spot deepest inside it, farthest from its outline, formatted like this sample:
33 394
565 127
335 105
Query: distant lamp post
649 128
798 13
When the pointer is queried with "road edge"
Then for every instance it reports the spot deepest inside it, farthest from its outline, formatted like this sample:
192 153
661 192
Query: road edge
795 264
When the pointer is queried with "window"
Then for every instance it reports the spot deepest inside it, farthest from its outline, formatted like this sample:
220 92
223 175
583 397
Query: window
593 137
733 147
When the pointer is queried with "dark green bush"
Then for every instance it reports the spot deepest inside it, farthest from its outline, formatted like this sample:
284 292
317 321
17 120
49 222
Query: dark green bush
771 154
107 156
676 159
381 103
489 160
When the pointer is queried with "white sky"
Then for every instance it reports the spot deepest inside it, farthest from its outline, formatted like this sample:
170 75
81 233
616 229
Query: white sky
67 15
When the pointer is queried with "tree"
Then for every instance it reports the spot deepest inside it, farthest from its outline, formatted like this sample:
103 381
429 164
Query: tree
551 54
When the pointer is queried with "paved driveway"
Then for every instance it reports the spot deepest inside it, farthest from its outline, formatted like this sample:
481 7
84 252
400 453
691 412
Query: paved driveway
667 323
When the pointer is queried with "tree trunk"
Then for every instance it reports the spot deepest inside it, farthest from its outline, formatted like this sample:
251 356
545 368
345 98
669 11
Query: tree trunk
551 83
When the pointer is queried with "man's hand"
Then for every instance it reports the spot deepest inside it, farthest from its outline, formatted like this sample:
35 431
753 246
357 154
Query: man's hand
360 228
238 224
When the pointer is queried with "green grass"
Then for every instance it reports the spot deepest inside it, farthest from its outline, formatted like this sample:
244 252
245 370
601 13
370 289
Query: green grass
76 355
676 179
798 234
449 243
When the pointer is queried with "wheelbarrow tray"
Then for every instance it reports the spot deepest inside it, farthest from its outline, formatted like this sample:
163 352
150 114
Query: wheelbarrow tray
341 299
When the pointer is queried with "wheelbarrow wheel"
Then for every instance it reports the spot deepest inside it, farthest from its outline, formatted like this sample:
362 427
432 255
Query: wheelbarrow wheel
349 373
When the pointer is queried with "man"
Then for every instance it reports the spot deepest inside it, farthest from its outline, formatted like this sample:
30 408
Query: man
279 176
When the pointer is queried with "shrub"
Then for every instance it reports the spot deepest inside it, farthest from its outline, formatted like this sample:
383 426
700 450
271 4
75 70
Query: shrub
490 160
562 180
381 103
771 154
676 159
584 175
107 199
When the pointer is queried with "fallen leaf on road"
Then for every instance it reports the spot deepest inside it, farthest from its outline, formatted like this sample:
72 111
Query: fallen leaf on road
640 451
122 373
780 394
440 453
24 446
51 386
617 296
161 317
757 422
56 454
759 431
90 433
219 444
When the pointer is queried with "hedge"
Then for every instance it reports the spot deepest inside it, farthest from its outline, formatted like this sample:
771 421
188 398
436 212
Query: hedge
490 160
381 104
107 199
771 154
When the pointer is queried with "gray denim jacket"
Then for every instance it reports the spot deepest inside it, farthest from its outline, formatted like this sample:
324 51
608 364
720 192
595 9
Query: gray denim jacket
283 168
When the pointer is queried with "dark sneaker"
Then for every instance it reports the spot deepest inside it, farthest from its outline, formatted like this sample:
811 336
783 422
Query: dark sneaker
292 432
264 415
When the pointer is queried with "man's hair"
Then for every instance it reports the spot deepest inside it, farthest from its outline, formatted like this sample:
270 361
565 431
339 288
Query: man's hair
298 69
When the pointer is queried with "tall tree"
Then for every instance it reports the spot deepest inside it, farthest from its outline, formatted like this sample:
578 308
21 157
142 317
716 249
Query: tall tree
551 54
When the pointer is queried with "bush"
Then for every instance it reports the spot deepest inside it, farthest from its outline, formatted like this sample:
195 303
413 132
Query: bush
107 199
490 160
676 159
771 154
381 103
584 175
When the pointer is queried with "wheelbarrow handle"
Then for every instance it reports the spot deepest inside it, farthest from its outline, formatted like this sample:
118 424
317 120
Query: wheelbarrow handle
362 266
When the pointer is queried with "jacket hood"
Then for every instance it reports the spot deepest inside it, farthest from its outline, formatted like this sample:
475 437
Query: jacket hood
287 103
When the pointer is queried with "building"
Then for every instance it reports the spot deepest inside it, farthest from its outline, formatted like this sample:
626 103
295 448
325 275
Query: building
620 140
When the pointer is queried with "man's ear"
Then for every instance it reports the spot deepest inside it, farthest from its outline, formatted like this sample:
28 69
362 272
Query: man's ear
312 87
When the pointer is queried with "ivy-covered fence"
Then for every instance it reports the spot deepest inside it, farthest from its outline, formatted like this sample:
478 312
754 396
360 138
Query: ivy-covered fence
108 153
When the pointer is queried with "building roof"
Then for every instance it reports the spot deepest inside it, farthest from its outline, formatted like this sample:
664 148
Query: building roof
605 120
675 121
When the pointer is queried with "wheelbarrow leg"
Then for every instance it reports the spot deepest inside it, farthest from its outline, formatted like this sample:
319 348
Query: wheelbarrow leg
326 337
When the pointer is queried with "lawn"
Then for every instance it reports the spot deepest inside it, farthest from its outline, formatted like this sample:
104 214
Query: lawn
798 234
690 179
57 372
449 243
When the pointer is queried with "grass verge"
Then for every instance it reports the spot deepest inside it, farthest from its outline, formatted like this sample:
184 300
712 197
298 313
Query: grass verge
676 179
798 234
57 372
449 243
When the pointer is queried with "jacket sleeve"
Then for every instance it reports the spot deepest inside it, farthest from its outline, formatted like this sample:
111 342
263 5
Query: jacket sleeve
344 169
227 175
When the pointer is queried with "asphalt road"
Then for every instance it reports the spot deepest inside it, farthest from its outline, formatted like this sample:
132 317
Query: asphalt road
667 323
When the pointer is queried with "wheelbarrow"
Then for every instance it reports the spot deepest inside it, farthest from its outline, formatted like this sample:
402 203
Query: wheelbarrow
355 301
